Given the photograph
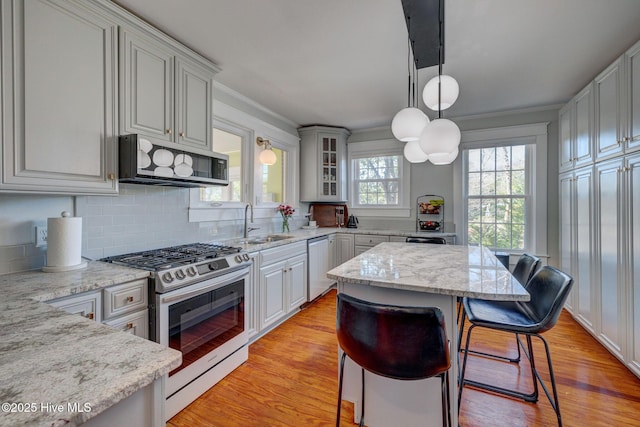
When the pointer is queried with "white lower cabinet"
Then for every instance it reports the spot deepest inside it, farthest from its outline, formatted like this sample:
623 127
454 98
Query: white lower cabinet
600 241
123 306
632 272
609 250
88 304
344 248
282 281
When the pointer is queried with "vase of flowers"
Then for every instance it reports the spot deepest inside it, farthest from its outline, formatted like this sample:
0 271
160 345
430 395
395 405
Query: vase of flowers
287 212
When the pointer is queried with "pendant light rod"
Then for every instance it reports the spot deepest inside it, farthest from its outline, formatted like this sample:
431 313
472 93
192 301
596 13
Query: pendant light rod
440 55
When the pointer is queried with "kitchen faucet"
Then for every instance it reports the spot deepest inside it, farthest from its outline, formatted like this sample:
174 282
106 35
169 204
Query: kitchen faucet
248 229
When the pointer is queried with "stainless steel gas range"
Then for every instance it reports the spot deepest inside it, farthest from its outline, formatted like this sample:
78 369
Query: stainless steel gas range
197 306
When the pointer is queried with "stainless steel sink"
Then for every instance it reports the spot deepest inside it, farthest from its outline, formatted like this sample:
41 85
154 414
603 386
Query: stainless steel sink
266 239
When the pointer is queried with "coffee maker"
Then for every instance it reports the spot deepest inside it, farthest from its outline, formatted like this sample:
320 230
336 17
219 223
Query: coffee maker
352 222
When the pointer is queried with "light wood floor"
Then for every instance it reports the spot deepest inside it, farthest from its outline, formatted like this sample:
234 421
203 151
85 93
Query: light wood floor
290 379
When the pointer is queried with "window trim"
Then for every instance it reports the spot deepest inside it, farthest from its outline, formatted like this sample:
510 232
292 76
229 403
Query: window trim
247 136
533 134
280 138
385 147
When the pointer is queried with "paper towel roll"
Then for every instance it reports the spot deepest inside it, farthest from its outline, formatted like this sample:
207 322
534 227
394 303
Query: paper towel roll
64 243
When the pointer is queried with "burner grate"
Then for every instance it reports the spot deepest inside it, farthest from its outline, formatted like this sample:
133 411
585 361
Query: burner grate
161 259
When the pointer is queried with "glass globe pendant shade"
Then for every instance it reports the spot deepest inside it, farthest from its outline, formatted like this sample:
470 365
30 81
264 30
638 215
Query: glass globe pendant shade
441 136
449 92
413 153
444 159
267 157
408 123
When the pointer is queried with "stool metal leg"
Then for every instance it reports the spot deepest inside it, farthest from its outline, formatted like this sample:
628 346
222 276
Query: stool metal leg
341 376
362 405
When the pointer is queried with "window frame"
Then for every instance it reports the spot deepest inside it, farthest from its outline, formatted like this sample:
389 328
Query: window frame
247 136
379 148
229 119
534 136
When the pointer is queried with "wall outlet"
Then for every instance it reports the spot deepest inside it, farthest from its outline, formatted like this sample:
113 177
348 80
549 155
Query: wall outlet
41 236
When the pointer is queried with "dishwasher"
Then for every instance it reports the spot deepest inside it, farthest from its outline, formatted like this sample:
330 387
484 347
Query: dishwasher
317 267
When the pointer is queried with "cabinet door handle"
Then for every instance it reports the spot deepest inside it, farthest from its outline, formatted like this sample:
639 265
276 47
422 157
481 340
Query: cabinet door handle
129 325
129 298
169 131
181 134
111 176
89 316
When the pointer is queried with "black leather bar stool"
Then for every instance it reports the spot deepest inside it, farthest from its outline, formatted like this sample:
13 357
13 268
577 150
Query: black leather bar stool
434 240
549 289
403 343
526 266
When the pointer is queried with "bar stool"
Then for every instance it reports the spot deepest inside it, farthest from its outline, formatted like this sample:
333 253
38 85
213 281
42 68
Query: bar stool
549 289
434 240
526 266
403 343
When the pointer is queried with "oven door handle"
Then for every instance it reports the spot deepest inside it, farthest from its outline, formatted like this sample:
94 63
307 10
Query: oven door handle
185 295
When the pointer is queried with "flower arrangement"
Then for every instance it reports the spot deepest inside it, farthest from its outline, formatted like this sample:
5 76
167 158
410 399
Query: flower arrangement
287 212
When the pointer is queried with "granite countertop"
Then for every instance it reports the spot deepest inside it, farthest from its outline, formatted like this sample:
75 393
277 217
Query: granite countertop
471 271
305 234
48 356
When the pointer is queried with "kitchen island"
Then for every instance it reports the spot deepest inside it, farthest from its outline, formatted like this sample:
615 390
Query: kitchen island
414 274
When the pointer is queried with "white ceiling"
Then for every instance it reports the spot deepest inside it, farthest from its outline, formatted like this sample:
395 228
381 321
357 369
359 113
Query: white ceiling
344 62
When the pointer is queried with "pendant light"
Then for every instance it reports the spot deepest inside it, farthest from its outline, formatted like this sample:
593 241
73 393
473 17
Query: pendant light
440 139
408 123
413 153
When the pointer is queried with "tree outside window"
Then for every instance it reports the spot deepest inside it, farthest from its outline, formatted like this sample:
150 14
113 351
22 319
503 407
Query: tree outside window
497 196
377 180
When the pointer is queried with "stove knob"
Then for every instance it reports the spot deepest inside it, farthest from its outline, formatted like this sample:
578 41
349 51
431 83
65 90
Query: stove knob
180 274
167 277
213 266
245 257
191 271
238 258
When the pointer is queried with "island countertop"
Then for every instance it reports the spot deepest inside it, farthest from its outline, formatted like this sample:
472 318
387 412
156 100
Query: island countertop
466 271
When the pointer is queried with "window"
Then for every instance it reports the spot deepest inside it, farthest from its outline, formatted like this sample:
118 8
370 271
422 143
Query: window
497 196
500 184
377 180
230 144
274 178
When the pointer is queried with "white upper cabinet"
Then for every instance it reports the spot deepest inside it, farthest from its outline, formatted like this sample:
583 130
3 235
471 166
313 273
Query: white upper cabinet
632 104
607 87
323 164
59 98
576 130
166 94
146 106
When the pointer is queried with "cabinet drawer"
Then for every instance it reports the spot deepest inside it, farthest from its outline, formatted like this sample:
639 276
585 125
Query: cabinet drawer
86 305
398 239
283 252
369 240
125 298
135 323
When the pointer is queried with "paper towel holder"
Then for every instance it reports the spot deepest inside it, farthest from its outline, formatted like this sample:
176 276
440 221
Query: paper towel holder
65 267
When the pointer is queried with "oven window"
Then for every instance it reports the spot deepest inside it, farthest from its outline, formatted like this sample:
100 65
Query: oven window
203 323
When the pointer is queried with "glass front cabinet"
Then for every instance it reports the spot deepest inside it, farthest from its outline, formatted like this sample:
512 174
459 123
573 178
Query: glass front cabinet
323 164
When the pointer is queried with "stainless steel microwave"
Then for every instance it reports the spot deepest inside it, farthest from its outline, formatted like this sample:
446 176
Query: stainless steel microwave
144 162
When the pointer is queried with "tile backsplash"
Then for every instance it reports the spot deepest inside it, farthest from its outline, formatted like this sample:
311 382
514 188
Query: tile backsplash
145 217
